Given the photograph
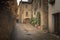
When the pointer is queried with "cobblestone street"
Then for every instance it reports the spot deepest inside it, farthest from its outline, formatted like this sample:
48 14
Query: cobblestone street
28 32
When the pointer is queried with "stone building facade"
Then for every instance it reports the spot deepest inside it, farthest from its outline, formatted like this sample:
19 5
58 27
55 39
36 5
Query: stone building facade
41 6
54 17
25 11
44 14
37 6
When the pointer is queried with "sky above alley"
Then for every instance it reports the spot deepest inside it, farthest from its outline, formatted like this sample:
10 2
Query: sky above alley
20 0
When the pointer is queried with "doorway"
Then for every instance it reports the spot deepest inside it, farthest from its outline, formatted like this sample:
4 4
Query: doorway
57 23
26 20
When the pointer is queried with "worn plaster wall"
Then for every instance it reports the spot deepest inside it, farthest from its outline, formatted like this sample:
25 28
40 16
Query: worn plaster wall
44 14
52 10
7 18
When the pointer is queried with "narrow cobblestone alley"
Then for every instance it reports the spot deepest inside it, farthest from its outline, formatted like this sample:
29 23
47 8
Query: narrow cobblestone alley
28 32
29 20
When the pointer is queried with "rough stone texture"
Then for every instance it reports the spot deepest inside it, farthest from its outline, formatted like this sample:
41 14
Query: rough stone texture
44 7
7 18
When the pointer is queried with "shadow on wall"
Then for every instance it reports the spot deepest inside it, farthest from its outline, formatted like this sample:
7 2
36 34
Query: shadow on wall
7 18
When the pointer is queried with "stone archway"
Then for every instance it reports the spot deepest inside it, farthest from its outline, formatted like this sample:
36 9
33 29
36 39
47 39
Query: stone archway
26 20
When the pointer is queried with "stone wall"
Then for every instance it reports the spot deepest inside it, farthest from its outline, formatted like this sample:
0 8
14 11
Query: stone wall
44 14
7 18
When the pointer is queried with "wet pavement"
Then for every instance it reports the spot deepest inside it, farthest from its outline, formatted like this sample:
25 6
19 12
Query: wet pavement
28 32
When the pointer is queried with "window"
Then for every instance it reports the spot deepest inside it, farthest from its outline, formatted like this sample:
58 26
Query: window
26 13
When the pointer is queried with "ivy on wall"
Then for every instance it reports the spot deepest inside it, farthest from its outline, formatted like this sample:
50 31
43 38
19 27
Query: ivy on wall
37 20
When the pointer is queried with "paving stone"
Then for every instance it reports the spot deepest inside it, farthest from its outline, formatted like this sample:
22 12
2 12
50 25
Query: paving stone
32 35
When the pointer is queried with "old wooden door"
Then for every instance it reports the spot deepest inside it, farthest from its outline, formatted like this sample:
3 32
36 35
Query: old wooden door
57 23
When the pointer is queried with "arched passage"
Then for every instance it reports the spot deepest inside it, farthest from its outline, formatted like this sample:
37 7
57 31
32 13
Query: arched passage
26 20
